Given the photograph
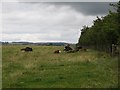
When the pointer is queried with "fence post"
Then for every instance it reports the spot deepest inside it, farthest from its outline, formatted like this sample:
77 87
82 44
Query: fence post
114 47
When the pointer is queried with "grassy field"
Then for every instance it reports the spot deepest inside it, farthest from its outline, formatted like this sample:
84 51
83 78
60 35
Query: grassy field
44 69
0 66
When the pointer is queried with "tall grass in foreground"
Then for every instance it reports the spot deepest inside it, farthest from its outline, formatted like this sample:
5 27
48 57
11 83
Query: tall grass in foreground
44 69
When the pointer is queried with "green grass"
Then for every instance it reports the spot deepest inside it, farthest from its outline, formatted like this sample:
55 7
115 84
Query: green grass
0 66
44 69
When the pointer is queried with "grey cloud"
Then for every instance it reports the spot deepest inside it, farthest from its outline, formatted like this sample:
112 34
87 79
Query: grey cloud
67 0
89 8
45 21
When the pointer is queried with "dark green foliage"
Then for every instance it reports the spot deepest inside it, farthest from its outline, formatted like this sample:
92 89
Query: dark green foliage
104 32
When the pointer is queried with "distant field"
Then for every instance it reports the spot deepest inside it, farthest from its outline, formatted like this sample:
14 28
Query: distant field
44 69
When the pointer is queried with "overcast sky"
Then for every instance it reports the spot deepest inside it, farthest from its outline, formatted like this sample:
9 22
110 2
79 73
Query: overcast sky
48 22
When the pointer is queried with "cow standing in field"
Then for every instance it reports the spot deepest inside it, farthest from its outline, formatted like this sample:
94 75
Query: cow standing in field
68 48
27 49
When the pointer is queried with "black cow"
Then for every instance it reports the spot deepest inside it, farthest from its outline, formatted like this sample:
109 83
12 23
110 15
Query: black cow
68 48
27 49
77 48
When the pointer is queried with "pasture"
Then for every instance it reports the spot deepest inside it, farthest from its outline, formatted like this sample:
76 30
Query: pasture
44 69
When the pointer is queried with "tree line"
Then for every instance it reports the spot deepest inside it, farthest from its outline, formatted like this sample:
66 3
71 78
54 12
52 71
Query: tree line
104 32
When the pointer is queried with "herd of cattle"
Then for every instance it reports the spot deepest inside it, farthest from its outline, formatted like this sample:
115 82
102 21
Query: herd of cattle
67 49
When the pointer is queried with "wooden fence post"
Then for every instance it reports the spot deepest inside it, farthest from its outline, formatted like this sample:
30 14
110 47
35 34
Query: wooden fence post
114 47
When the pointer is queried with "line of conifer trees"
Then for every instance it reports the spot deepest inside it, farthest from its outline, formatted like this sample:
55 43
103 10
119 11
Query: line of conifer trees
104 32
